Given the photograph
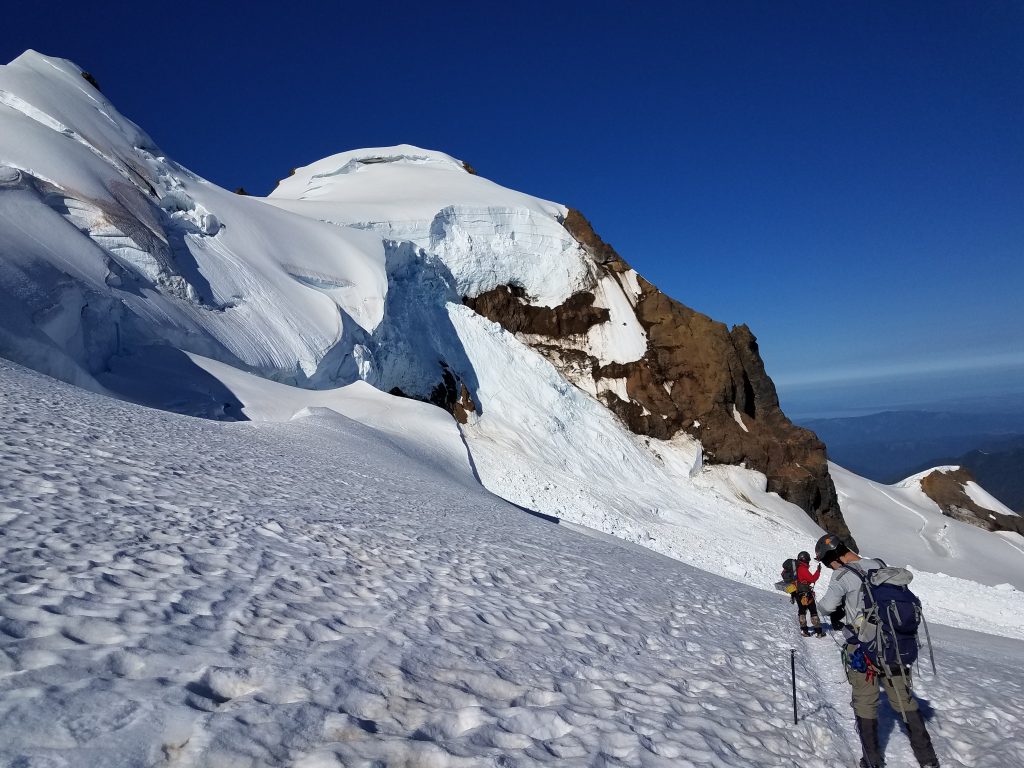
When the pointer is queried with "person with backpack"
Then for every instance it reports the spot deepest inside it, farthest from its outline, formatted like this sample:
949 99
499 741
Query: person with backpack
879 617
804 595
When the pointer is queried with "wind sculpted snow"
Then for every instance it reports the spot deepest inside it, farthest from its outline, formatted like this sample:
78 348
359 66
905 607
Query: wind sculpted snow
184 592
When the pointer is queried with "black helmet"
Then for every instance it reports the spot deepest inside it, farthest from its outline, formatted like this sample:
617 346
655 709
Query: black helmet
829 548
804 557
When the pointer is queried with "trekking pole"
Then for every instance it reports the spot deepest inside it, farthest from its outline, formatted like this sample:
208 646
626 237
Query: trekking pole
792 670
931 654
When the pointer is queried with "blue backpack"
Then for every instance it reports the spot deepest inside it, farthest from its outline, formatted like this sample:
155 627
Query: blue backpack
887 627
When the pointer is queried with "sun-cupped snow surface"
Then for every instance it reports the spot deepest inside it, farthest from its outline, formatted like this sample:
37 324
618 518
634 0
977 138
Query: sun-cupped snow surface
546 446
486 234
183 592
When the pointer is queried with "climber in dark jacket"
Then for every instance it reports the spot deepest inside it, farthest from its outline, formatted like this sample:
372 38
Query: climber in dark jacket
804 595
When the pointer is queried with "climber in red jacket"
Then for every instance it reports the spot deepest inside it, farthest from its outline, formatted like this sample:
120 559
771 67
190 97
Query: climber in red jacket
804 595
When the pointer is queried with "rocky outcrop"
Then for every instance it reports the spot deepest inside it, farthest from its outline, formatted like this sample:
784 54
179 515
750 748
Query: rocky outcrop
450 394
696 376
510 303
87 76
947 488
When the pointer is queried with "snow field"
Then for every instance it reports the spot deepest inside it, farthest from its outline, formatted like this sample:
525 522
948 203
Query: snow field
546 446
183 592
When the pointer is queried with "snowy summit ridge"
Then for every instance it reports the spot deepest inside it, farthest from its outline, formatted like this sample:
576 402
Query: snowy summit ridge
485 233
311 181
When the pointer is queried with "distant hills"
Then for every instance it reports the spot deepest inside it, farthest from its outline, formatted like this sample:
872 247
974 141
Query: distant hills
998 467
892 445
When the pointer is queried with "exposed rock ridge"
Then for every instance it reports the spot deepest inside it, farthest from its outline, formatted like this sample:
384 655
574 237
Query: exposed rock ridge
947 488
510 303
695 376
452 394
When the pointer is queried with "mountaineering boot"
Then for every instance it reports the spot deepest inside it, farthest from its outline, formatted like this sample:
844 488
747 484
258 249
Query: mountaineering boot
868 732
805 631
920 741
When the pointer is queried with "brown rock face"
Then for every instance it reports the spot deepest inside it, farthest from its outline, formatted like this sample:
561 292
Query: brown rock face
696 376
452 394
509 303
947 489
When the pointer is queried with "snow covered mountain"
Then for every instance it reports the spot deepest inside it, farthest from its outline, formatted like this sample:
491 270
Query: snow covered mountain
306 327
582 391
960 497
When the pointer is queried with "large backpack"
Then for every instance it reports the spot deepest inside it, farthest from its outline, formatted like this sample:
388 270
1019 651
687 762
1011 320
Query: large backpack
789 583
887 626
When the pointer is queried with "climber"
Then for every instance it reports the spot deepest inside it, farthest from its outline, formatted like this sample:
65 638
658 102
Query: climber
867 664
804 595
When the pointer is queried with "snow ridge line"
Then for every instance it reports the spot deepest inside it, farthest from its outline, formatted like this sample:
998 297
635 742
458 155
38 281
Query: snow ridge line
23 107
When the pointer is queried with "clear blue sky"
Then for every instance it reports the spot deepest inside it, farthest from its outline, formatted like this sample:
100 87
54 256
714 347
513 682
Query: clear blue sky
845 178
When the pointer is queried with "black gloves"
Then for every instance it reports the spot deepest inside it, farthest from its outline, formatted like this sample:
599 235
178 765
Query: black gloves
837 617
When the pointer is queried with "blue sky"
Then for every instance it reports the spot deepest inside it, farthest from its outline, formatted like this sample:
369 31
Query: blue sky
845 178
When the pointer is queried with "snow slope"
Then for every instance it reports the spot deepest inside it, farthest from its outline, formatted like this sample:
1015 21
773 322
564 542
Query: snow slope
110 247
983 498
546 448
184 592
967 577
901 523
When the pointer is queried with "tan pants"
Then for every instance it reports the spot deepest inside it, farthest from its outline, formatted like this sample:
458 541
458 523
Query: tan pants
865 693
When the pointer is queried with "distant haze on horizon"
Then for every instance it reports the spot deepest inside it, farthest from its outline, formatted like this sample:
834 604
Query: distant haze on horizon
993 388
846 180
